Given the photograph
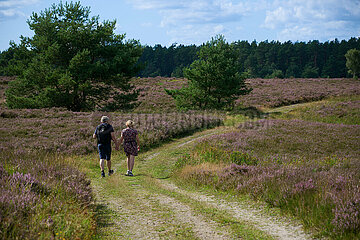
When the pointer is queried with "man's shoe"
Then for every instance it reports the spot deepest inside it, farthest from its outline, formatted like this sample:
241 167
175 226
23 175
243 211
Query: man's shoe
102 174
111 172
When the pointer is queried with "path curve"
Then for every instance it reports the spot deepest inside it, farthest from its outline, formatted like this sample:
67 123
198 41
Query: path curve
271 225
142 222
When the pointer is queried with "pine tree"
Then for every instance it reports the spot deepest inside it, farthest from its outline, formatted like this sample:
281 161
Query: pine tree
353 61
214 79
77 62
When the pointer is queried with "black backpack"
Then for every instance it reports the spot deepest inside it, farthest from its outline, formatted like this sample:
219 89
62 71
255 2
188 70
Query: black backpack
103 132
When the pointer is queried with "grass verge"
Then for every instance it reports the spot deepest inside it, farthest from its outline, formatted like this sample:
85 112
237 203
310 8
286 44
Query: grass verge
338 110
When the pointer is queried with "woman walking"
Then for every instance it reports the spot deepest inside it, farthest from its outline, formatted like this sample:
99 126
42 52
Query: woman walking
129 136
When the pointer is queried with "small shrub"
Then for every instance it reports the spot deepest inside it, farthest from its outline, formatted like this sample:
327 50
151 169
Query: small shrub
8 114
242 158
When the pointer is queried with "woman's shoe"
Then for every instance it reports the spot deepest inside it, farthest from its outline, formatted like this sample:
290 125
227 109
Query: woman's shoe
129 173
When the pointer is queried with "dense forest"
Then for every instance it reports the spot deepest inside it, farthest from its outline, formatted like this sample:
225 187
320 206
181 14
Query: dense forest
260 60
263 60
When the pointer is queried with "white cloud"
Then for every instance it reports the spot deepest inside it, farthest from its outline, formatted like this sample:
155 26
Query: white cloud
353 7
147 24
282 20
157 4
192 34
199 20
13 8
15 3
308 19
273 18
218 29
11 13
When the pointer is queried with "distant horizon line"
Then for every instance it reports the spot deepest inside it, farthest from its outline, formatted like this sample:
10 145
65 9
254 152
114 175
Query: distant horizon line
248 41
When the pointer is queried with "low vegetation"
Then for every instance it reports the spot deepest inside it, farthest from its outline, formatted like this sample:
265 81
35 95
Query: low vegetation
41 185
341 110
305 154
65 132
266 93
152 97
270 93
309 169
42 197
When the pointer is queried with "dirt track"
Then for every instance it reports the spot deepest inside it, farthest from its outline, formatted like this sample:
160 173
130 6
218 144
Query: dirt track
153 208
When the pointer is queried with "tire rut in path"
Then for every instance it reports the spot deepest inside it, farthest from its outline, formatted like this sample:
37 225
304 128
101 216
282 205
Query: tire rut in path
203 229
140 222
127 221
271 225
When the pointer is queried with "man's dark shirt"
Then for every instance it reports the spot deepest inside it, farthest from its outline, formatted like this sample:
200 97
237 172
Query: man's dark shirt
107 137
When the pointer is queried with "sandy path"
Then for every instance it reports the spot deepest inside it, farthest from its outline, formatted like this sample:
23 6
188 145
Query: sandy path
271 225
139 220
127 221
155 215
202 228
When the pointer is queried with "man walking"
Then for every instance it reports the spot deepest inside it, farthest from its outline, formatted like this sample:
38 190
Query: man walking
104 133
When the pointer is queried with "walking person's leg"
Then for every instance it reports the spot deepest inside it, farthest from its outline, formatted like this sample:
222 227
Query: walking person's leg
108 163
130 164
102 159
108 158
102 166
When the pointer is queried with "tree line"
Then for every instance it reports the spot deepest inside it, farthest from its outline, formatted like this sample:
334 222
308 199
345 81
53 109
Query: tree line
259 60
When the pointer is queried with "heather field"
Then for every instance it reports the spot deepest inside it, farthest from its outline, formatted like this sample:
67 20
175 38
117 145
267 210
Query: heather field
303 159
153 97
306 162
65 132
41 185
281 92
341 110
43 196
267 93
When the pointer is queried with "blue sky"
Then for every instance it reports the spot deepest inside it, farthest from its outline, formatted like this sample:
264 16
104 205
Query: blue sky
196 21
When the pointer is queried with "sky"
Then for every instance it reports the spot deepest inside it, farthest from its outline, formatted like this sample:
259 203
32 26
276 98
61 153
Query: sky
189 22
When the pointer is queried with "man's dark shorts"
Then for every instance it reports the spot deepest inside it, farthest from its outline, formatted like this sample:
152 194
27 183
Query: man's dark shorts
104 151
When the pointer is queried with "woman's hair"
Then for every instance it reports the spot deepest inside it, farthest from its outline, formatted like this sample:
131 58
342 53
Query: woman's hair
129 123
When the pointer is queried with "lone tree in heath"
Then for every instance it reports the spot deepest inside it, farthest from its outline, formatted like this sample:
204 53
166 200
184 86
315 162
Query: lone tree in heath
76 62
353 61
214 79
